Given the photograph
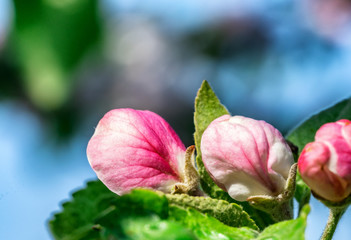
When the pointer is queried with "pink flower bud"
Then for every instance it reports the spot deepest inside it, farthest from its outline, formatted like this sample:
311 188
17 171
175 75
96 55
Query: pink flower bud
246 157
325 164
132 148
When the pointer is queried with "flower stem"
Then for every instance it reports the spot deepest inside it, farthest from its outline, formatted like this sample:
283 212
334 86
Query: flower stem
334 216
191 180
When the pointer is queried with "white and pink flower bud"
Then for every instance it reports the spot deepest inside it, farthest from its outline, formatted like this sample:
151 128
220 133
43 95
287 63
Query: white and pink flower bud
246 157
325 164
134 149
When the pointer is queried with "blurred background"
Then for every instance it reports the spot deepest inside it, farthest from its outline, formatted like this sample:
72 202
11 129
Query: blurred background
63 64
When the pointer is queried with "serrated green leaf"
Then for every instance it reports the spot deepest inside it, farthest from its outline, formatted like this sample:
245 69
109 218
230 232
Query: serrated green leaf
230 214
96 213
206 227
305 133
141 220
207 109
291 229
144 214
79 214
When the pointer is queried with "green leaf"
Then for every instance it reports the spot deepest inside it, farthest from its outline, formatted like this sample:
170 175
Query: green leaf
154 228
79 214
229 213
207 109
144 214
143 201
144 227
97 213
206 227
305 133
292 229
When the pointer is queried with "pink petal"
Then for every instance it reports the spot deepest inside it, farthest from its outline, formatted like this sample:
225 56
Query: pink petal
325 165
243 155
313 166
337 136
132 148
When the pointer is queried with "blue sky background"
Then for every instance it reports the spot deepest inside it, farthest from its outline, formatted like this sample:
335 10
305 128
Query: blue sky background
288 86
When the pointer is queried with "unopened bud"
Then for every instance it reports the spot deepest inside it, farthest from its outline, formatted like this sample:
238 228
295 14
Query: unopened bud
325 164
246 157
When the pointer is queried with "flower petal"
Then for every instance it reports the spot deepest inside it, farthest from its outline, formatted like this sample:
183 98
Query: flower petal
245 156
132 148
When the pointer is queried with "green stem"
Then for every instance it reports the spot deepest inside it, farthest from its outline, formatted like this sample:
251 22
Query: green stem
334 216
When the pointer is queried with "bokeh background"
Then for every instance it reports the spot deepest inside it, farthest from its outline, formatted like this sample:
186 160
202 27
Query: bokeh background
63 64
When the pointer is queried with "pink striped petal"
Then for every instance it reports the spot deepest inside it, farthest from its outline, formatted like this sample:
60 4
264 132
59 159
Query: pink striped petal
325 165
132 148
246 157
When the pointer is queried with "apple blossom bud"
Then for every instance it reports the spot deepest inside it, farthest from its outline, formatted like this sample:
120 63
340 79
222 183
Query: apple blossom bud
133 149
325 164
246 157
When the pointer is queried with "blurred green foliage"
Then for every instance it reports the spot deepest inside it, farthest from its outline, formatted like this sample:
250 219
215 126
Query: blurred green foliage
49 40
40 64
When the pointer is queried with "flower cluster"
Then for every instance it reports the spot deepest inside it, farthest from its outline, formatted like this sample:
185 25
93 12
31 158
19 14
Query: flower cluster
238 157
248 159
132 148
